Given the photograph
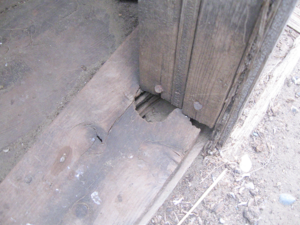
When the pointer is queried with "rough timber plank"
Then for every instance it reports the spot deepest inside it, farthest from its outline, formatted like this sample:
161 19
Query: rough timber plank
158 22
223 31
169 187
99 162
48 50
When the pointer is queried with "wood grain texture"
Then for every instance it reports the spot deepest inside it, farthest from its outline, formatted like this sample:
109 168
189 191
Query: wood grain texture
158 22
99 162
250 68
48 50
186 33
169 187
223 31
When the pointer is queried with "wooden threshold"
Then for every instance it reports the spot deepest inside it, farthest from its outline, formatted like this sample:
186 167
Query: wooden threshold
99 162
180 171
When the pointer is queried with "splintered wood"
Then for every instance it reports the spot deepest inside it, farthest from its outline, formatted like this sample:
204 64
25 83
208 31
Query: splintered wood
99 162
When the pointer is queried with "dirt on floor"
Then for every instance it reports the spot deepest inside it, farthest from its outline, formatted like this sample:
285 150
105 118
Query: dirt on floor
273 153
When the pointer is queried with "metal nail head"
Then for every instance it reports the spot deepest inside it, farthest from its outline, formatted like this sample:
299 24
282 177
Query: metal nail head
158 89
197 106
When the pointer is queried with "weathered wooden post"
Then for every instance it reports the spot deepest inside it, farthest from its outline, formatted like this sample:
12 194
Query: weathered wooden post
204 56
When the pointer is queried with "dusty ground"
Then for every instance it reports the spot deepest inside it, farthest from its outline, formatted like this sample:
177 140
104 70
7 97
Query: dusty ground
274 151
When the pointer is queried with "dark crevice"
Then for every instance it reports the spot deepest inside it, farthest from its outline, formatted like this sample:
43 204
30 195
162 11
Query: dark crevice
99 138
151 107
200 126
133 1
174 83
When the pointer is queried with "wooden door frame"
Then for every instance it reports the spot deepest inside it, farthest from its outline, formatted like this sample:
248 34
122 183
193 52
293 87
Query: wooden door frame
269 24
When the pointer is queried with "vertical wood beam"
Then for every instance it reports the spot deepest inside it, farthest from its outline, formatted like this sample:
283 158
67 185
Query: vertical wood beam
158 29
201 54
223 31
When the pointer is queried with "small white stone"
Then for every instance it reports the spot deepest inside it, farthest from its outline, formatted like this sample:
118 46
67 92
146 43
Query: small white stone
232 194
286 199
294 109
6 150
177 201
245 164
249 186
296 80
222 221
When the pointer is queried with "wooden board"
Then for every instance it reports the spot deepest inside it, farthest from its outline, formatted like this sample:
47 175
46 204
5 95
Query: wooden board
231 43
48 50
193 61
158 22
99 162
223 31
169 187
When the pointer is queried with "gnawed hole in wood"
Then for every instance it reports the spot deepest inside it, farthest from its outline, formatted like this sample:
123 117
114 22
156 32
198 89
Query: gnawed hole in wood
152 108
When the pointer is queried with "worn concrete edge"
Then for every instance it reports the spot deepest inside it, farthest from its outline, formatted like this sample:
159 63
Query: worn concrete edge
176 177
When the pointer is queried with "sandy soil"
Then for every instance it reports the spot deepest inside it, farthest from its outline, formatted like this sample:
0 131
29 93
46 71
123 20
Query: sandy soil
274 151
